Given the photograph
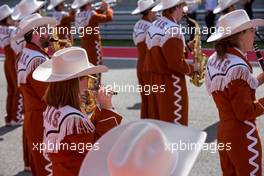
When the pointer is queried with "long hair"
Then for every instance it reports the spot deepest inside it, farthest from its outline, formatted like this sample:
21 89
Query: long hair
221 46
59 94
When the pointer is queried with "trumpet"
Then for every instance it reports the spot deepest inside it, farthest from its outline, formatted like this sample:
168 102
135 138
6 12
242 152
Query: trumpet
111 3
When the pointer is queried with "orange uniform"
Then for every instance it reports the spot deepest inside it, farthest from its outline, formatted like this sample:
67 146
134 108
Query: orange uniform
70 128
32 92
165 61
64 20
10 73
139 36
87 22
232 86
17 46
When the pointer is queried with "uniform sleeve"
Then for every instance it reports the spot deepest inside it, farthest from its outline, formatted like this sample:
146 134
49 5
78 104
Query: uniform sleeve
103 17
173 51
243 103
104 120
38 87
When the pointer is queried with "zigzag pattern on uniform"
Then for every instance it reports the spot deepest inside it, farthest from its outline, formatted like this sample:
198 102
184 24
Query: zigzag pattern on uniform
251 148
178 99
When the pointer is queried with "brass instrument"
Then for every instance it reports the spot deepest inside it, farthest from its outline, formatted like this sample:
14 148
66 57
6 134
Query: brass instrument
88 102
198 78
111 3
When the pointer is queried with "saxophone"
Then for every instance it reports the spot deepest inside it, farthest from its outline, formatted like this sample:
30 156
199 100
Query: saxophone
198 77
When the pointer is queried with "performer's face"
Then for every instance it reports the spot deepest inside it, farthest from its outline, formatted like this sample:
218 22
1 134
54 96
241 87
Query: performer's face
247 39
178 12
152 16
41 37
44 40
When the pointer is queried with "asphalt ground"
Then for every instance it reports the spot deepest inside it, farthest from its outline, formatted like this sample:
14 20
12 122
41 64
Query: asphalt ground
202 115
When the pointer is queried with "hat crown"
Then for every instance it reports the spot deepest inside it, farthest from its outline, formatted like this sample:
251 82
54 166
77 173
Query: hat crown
28 19
5 11
26 6
171 3
54 3
140 147
226 3
233 19
80 3
144 4
69 61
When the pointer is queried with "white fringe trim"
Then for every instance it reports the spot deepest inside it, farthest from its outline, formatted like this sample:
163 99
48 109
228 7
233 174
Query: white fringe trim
71 125
219 83
23 74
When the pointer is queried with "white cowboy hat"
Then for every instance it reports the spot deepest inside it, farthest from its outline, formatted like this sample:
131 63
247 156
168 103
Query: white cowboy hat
144 148
33 21
5 11
27 7
166 4
54 3
144 5
232 23
66 64
79 3
224 4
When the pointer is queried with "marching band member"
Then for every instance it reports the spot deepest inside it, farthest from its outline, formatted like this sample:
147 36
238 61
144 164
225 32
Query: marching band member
166 62
9 65
64 122
24 8
225 6
139 36
32 55
64 20
230 81
88 19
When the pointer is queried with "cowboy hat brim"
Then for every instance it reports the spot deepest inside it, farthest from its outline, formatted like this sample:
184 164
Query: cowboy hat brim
250 24
138 11
174 133
7 15
160 7
20 15
219 9
34 24
51 6
76 5
44 73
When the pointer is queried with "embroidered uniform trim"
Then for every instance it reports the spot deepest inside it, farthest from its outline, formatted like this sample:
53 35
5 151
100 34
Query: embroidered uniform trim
252 160
178 106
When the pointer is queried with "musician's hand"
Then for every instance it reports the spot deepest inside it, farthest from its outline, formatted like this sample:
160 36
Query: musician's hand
104 98
260 78
104 6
